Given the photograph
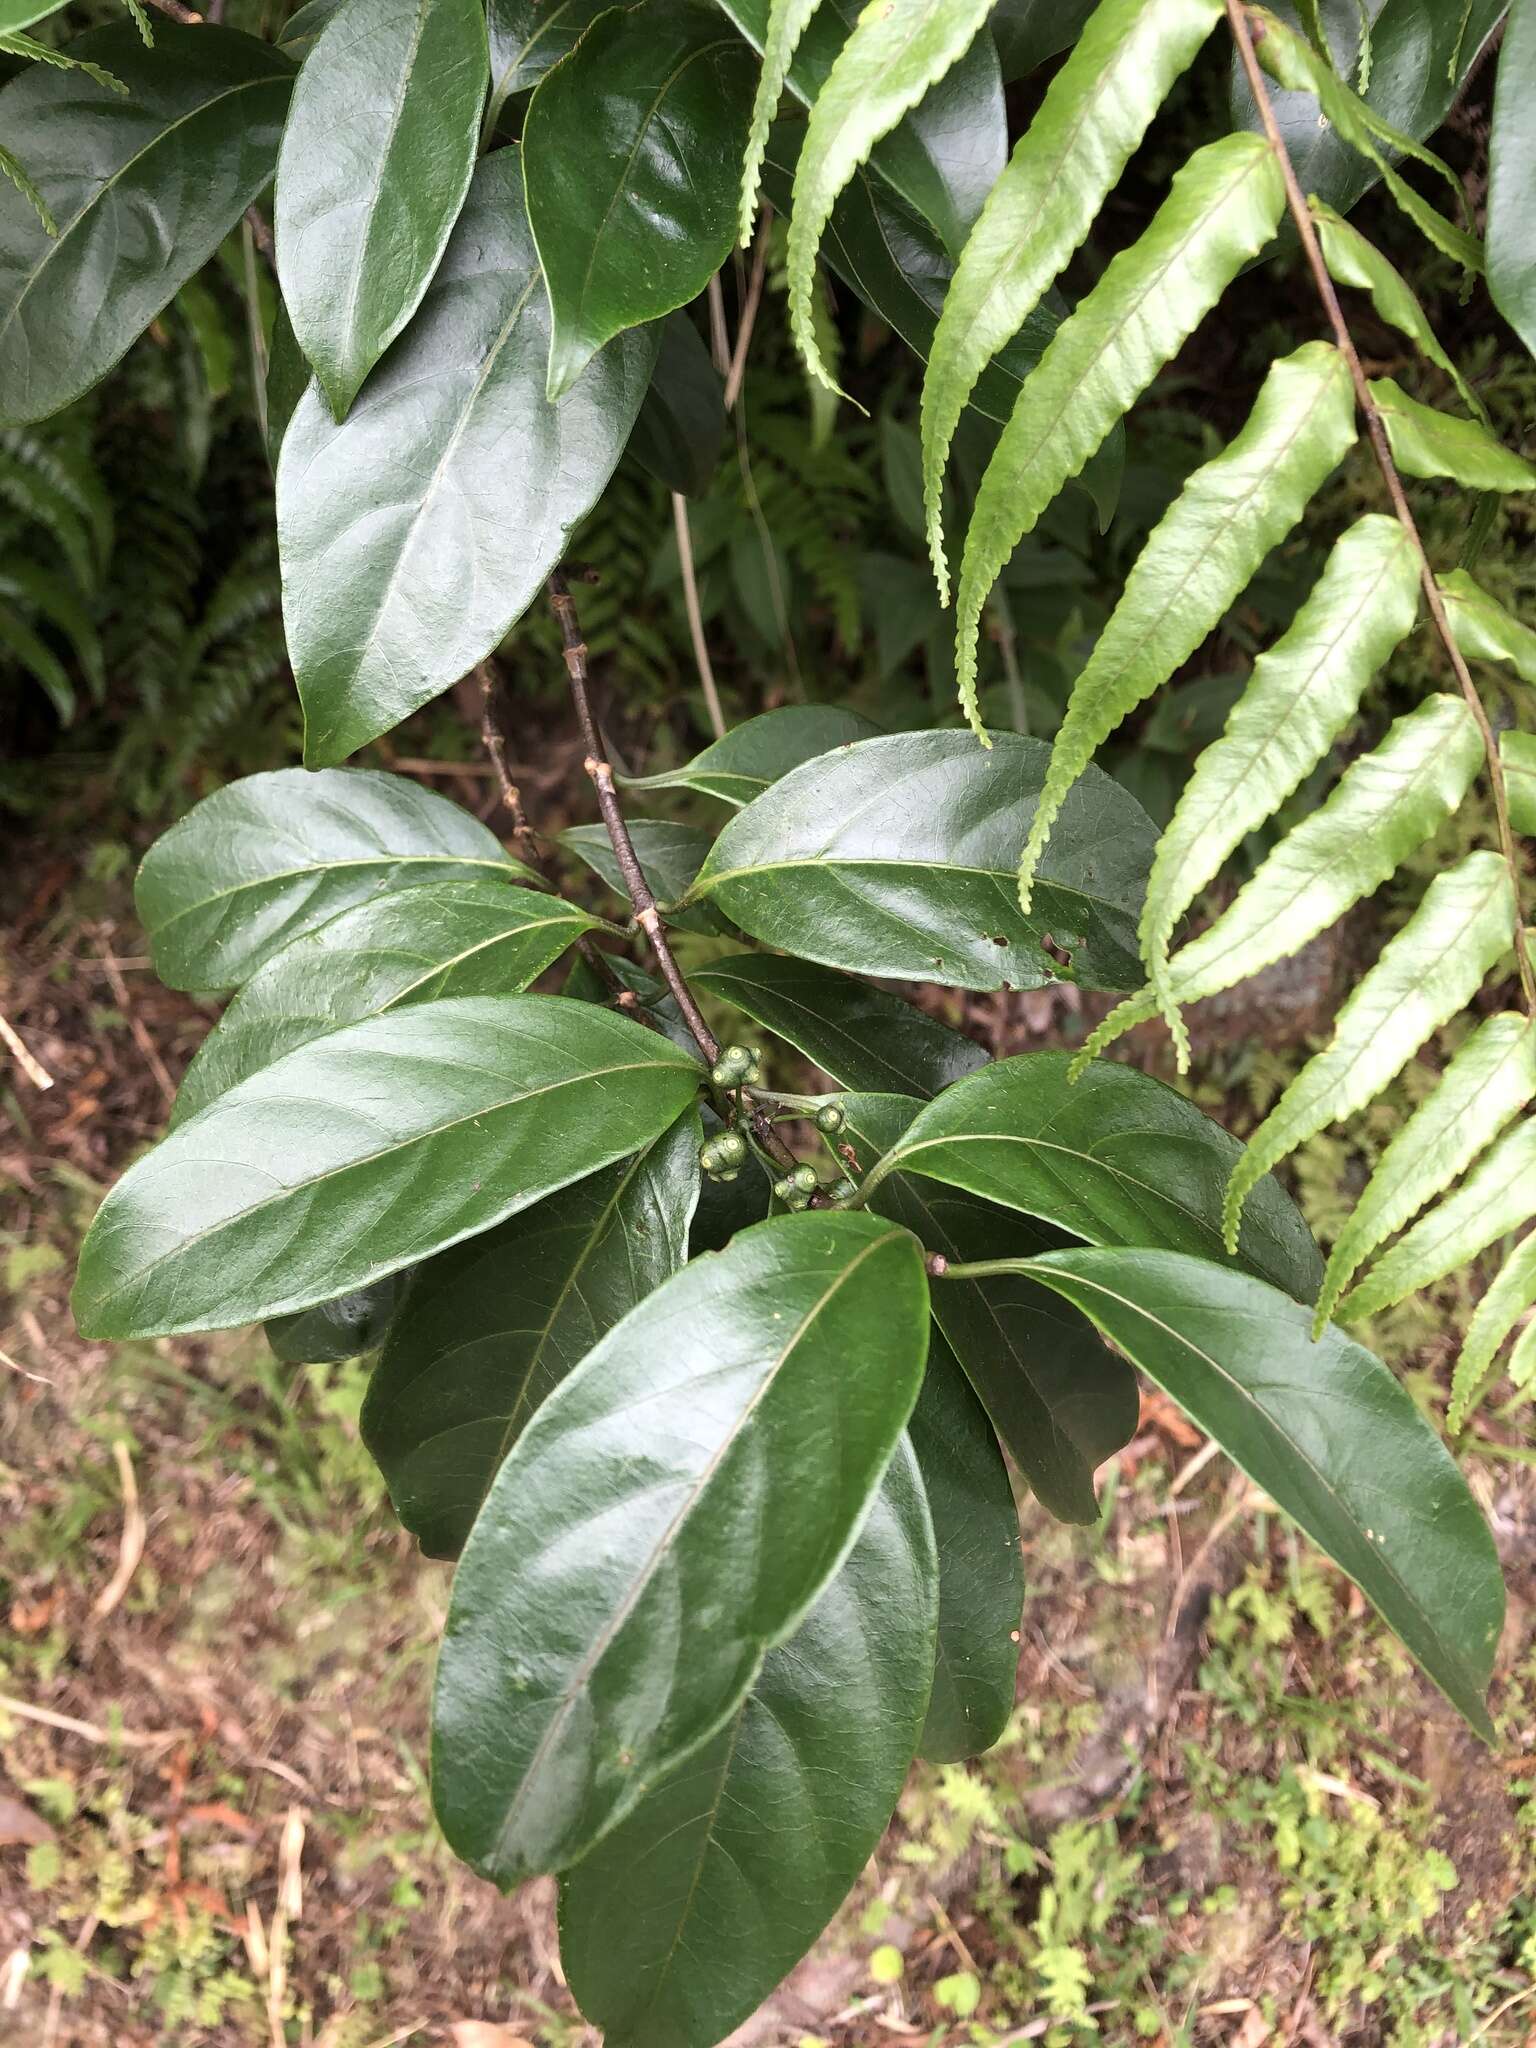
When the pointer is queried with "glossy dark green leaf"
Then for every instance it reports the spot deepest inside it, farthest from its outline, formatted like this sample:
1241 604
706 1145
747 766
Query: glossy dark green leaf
1027 32
1421 52
366 1150
763 750
981 1570
143 190
1512 177
288 377
528 38
670 856
1115 1157
262 860
945 155
476 938
863 1037
375 162
1328 1433
681 426
635 210
668 1515
490 1328
654 1001
410 538
334 1330
1060 1401
302 28
898 857
682 1920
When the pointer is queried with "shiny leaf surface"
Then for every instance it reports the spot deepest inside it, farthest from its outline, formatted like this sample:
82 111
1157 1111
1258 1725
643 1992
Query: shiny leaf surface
262 860
680 1922
143 190
1116 1158
981 1570
1327 1432
476 938
754 754
528 38
1201 555
1512 177
632 151
864 1037
409 542
1059 1399
1221 210
897 857
375 162
1094 114
665 1519
366 1150
490 1328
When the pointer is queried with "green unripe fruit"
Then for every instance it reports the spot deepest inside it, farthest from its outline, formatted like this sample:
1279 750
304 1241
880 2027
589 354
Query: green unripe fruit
842 1191
796 1201
730 1149
784 1189
733 1066
831 1118
806 1179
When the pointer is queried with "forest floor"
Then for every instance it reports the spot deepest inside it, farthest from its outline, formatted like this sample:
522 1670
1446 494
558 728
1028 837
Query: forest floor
1227 1809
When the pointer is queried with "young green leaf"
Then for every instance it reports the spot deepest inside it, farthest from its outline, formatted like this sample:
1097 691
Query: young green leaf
1483 629
528 38
941 160
897 857
1424 976
1512 178
1301 695
339 1329
142 192
1059 1400
376 159
1498 1196
634 212
678 1925
1510 1294
667 1516
1093 116
1385 805
1203 552
893 56
761 751
262 860
1221 210
1489 1080
1517 752
366 1150
1327 1432
863 1037
1117 1159
1296 66
409 543
490 1328
1353 260
981 1570
784 25
457 938
1425 442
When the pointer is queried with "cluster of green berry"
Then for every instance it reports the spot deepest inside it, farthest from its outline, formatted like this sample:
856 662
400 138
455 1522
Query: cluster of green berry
723 1156
739 1066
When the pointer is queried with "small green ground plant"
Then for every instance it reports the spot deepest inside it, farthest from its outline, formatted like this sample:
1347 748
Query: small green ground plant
706 1384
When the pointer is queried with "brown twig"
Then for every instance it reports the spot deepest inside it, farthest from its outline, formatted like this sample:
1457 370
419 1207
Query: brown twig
749 309
696 616
149 1051
638 889
32 1067
177 12
1243 36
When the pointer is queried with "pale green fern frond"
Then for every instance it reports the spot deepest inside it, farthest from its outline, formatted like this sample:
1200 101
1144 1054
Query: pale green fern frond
1517 753
1490 1080
1384 807
1511 1294
786 24
1093 117
1302 693
1428 973
895 53
1429 443
1484 629
1222 208
1199 558
12 168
